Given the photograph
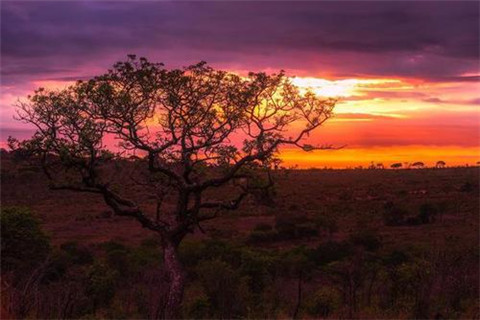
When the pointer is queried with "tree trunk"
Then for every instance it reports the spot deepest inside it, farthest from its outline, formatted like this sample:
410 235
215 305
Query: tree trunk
176 279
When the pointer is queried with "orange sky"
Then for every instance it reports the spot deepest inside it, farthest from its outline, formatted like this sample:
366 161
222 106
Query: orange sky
395 120
406 72
385 121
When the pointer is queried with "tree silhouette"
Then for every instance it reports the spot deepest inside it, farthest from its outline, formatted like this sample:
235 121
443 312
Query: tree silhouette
396 165
440 164
418 164
194 131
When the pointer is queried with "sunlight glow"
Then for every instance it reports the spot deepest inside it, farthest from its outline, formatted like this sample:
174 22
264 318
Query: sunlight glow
338 88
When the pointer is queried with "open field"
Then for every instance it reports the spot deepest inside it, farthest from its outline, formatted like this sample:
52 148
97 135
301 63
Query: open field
420 226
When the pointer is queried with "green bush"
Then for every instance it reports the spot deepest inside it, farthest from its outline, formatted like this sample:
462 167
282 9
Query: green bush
323 302
427 213
223 250
290 226
257 267
199 308
331 251
129 261
101 284
221 283
24 244
307 229
77 254
394 215
395 258
263 227
326 223
257 236
369 239
191 252
467 187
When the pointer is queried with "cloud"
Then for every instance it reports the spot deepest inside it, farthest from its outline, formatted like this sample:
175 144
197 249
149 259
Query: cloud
436 100
427 39
362 116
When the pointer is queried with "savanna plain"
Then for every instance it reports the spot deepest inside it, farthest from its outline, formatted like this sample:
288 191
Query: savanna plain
359 243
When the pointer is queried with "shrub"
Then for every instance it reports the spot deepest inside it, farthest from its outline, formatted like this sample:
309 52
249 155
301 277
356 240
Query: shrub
222 250
331 251
413 221
466 187
191 252
77 254
262 236
395 258
294 226
427 213
221 283
119 260
326 223
256 267
369 239
101 284
307 229
263 227
199 308
394 215
145 255
24 244
323 302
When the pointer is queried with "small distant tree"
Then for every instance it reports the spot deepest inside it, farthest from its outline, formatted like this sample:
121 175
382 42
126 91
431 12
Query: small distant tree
194 129
396 165
418 164
440 164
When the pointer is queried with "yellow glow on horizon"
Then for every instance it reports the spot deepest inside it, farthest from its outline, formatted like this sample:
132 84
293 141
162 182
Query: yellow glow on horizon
338 88
355 156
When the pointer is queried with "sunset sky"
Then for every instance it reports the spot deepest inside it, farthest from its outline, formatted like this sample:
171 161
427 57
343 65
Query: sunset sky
406 74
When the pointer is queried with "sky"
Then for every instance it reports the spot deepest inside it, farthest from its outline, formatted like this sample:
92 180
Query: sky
406 74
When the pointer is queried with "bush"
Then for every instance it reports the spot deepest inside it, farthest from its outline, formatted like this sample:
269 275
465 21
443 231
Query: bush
307 229
191 252
129 261
326 223
24 244
263 227
466 187
427 213
222 250
394 215
395 258
262 236
256 267
77 254
323 302
101 284
221 283
369 239
331 251
199 308
294 227
413 221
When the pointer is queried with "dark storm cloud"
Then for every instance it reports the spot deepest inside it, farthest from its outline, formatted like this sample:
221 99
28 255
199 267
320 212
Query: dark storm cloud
427 39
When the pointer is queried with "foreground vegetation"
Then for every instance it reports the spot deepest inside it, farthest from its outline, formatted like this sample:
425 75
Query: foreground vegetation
341 244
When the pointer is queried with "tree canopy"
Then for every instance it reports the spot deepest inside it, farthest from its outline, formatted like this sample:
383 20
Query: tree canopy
181 120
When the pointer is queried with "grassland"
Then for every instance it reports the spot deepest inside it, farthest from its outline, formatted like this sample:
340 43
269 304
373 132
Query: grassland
327 244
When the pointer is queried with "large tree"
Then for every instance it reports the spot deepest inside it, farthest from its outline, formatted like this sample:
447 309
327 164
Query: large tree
193 130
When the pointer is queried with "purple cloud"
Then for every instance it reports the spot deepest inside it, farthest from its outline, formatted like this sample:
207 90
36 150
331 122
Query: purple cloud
427 39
